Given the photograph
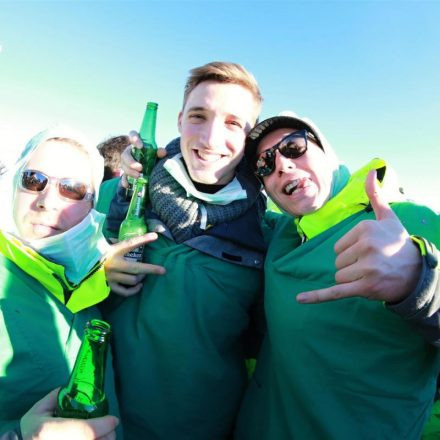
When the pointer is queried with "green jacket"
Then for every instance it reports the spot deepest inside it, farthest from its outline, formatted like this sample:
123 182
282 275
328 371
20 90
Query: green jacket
179 344
346 369
39 335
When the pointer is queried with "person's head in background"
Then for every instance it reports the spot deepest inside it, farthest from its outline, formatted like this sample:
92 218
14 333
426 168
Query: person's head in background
111 150
222 102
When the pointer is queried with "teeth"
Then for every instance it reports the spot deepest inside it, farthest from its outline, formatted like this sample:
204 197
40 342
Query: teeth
209 157
290 187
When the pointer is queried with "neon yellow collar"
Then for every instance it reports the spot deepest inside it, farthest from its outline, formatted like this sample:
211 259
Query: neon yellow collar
350 200
90 291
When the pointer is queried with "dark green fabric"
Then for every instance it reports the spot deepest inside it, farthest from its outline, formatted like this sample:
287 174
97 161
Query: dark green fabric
347 369
39 340
106 192
178 346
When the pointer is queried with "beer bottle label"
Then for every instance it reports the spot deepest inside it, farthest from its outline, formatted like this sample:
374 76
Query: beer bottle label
135 255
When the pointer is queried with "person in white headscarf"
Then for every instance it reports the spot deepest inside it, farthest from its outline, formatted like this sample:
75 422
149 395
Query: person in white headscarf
52 255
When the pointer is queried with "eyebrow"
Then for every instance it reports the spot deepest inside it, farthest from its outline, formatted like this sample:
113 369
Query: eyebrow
196 109
204 109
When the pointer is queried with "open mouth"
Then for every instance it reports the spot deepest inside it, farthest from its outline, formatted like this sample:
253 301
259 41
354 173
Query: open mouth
208 157
295 185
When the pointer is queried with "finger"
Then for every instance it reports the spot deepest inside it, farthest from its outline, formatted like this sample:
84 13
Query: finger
113 240
347 240
332 293
125 278
161 153
348 255
144 268
135 139
348 274
132 243
125 291
380 206
73 429
102 426
129 165
47 404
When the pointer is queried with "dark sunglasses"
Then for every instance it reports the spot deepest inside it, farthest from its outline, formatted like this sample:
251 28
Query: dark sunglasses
292 146
70 189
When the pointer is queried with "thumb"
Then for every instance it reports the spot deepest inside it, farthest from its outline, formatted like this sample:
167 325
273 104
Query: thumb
380 206
48 403
161 153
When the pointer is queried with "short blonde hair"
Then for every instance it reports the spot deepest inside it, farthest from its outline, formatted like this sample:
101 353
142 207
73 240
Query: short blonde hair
223 72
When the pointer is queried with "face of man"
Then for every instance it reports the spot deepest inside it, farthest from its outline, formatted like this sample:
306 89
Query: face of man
213 126
47 213
302 185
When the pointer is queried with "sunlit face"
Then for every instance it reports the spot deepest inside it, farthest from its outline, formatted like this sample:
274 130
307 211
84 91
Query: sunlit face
213 126
301 185
44 214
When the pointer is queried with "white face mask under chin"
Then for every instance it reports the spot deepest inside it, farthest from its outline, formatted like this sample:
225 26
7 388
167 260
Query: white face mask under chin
77 249
228 194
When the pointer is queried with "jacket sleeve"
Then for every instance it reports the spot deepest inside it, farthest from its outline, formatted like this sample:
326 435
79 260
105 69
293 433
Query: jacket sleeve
422 307
118 209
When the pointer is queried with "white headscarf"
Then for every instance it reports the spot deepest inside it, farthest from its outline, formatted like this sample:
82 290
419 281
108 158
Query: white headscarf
82 246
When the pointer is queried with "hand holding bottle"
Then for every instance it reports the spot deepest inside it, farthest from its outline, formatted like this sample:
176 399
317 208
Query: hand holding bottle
39 423
129 165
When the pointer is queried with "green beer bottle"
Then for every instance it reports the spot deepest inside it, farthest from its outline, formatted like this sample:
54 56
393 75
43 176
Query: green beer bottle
134 223
84 397
147 154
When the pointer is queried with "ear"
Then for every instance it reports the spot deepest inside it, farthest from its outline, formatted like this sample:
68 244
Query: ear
179 122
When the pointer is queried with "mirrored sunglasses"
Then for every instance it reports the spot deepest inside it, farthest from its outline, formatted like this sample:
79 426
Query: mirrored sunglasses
292 146
70 189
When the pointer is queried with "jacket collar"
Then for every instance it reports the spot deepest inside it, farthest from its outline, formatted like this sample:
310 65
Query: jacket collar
350 200
92 289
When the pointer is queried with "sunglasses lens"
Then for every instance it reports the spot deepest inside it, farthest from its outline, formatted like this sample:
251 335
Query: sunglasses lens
265 164
72 190
33 181
293 149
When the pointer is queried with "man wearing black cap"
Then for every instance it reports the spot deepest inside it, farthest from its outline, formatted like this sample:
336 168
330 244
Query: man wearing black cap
355 367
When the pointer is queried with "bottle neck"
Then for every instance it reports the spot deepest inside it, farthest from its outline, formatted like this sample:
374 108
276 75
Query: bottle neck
148 127
137 202
88 374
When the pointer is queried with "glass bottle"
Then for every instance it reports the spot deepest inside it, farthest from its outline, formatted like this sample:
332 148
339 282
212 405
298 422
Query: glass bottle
148 153
134 223
84 397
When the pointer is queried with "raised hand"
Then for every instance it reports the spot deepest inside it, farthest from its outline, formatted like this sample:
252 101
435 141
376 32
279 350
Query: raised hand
376 259
128 164
124 277
39 423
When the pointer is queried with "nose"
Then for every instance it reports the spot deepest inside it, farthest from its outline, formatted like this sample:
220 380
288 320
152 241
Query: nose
49 198
283 164
213 136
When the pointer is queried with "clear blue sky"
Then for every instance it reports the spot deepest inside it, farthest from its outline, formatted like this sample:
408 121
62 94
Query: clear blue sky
367 72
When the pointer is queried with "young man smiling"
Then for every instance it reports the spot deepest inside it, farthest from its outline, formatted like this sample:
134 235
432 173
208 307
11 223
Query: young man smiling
179 344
